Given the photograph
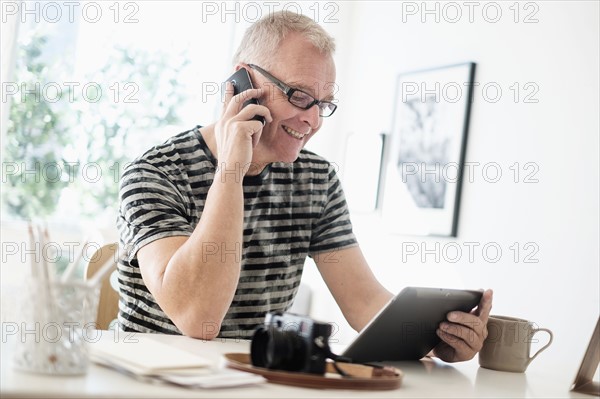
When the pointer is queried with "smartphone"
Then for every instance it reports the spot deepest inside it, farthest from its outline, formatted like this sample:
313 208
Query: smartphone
241 82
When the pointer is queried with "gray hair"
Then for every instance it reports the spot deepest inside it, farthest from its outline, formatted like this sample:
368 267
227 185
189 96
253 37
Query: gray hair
261 39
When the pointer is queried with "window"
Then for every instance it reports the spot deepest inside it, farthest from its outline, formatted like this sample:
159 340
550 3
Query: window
94 85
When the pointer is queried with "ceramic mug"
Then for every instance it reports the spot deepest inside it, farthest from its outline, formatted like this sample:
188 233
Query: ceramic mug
508 344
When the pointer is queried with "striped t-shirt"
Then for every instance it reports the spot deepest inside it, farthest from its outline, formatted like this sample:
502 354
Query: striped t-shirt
291 210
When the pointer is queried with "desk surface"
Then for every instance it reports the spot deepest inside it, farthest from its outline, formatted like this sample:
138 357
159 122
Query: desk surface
421 379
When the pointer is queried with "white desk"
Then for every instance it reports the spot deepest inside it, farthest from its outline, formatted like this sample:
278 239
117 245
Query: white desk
421 379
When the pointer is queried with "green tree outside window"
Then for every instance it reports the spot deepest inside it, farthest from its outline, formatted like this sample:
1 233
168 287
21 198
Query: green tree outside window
138 92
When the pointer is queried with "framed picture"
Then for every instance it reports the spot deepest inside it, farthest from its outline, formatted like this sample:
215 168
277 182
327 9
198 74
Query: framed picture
425 159
584 381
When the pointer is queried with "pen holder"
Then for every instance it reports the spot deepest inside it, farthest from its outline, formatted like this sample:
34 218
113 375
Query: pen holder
59 322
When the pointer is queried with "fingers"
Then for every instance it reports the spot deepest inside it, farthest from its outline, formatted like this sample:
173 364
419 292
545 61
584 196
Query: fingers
234 103
455 349
251 110
256 131
467 326
444 351
485 305
237 131
461 337
467 319
466 332
478 318
228 95
235 110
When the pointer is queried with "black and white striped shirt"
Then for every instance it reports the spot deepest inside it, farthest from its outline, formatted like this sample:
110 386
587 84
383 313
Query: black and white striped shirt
291 210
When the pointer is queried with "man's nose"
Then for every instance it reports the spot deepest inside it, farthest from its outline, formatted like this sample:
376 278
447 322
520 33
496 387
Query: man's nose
311 117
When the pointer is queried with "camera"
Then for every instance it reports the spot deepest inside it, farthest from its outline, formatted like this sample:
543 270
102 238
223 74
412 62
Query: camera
291 342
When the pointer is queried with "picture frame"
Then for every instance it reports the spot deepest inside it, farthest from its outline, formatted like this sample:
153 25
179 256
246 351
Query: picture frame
424 161
584 380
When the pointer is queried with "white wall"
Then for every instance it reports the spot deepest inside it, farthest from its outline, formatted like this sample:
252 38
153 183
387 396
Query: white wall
559 53
559 214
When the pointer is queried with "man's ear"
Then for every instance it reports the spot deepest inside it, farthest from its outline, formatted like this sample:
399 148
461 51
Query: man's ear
239 66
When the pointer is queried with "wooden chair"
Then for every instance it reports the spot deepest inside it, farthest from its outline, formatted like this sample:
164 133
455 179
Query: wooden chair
108 303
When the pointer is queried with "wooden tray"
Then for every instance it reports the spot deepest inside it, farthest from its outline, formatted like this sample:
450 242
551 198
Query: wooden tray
363 377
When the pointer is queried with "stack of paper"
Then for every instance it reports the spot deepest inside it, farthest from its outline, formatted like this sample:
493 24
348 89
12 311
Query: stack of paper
151 360
220 378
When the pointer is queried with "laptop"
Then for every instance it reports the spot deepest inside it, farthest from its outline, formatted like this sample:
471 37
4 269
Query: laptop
405 328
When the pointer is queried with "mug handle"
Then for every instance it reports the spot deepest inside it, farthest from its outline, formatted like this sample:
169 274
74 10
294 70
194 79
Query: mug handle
535 331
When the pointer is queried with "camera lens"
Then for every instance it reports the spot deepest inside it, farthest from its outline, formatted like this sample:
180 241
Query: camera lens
279 350
258 347
286 351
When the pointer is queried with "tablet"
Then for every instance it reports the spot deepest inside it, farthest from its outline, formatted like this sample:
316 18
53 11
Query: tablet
405 328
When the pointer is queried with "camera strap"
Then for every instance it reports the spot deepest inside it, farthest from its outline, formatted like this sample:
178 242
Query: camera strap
342 359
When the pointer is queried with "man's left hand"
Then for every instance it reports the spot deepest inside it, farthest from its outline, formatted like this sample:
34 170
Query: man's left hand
463 334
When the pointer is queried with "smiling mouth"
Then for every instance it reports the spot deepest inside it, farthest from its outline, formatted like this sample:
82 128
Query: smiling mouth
295 134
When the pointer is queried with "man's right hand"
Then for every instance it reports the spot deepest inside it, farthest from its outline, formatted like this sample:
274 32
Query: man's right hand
236 133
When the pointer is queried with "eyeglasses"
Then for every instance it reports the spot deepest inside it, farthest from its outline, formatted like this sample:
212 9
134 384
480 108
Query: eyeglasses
298 97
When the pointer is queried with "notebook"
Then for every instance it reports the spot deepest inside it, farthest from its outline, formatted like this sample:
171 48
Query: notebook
147 359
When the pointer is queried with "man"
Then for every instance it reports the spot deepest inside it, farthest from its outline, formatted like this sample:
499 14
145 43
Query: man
218 221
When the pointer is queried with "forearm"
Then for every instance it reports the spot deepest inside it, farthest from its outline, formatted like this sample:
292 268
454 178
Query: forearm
201 277
356 290
370 305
